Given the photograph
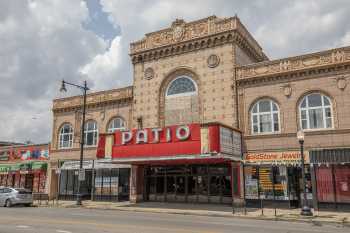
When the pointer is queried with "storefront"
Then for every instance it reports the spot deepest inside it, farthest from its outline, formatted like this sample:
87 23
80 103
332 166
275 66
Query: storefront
103 181
195 183
30 175
24 166
189 163
275 178
332 172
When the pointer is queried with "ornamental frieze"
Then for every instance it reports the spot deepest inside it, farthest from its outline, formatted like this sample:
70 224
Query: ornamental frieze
330 57
182 31
94 98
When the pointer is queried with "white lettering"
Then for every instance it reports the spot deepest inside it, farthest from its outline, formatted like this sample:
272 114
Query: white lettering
141 136
156 132
126 137
168 135
183 132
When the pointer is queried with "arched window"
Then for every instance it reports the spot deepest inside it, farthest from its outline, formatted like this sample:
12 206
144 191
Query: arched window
265 117
181 86
90 133
316 112
116 123
66 136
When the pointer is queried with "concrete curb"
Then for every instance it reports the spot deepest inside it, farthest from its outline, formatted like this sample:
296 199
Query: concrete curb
311 220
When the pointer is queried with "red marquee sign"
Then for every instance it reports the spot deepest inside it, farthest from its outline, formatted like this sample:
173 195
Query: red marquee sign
170 141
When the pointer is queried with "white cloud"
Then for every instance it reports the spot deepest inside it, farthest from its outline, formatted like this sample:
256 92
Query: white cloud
43 41
103 68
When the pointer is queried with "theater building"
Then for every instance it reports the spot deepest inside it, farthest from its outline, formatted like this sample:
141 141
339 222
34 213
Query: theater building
201 92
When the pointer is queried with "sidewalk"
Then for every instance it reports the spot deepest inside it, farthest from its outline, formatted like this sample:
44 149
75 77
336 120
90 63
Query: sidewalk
319 218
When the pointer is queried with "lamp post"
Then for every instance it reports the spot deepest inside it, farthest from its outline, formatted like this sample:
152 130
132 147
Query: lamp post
305 210
84 89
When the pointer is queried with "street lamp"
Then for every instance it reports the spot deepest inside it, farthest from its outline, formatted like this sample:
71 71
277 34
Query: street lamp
305 210
84 89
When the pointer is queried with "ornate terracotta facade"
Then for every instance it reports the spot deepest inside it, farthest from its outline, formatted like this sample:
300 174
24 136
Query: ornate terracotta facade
231 73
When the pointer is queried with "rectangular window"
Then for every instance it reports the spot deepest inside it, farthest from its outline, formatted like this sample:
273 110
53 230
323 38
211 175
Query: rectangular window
276 122
316 118
265 123
251 182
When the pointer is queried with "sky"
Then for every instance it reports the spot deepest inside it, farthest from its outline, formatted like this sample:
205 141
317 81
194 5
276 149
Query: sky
45 41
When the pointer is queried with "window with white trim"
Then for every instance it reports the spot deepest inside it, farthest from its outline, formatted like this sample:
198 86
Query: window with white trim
66 136
265 117
315 112
182 85
90 133
116 123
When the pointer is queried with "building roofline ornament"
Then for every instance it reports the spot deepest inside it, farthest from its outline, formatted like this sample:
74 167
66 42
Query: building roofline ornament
93 99
182 37
319 62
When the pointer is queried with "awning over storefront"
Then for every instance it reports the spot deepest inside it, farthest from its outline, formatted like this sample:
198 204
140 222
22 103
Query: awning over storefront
27 166
89 164
330 156
39 165
4 168
178 159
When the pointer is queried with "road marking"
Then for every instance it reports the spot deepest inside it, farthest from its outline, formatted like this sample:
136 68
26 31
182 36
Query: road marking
62 231
22 226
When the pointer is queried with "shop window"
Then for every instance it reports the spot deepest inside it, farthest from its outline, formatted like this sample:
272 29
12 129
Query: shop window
116 123
160 185
215 185
265 117
226 185
266 183
251 182
316 112
90 133
66 136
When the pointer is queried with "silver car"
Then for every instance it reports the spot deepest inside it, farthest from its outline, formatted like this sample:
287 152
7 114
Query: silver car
15 196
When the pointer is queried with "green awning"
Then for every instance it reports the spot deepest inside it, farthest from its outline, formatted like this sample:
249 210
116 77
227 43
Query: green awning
4 167
39 165
15 167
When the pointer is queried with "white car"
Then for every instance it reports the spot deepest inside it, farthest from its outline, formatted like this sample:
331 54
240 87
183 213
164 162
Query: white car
15 196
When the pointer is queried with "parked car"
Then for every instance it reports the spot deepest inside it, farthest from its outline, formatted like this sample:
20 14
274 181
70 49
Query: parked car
15 196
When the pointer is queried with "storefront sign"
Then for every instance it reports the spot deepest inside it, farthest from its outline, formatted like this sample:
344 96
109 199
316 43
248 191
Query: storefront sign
4 156
289 157
182 133
172 140
178 140
230 142
89 164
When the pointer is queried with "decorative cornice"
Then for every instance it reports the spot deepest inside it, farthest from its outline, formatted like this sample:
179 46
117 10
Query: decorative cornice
184 37
93 99
77 149
307 133
292 67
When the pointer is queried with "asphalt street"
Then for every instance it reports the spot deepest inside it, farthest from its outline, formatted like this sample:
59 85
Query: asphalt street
77 220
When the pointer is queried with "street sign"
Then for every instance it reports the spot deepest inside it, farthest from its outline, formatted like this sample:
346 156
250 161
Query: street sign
81 176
